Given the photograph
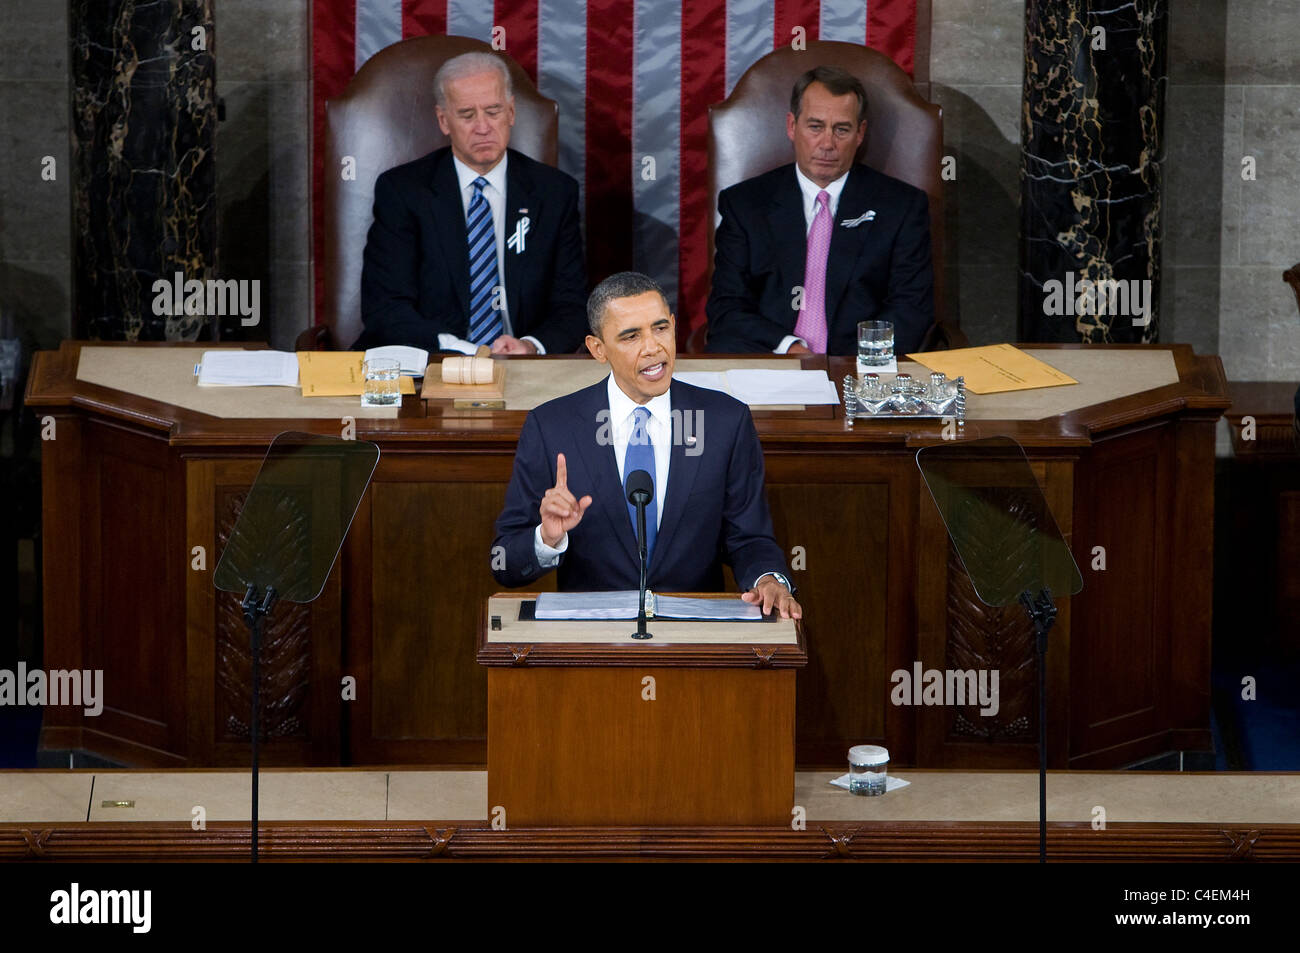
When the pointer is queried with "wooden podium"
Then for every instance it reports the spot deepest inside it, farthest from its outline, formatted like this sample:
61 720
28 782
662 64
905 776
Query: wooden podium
588 727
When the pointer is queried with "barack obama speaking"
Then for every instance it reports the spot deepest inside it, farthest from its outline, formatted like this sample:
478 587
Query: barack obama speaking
566 508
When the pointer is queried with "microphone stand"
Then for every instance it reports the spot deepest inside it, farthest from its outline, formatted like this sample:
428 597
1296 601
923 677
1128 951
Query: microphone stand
640 632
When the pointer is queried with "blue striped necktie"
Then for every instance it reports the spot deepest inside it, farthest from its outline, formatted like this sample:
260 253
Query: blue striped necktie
484 320
641 456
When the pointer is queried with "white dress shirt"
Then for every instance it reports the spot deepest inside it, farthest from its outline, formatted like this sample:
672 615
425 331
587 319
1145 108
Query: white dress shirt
809 189
621 424
495 193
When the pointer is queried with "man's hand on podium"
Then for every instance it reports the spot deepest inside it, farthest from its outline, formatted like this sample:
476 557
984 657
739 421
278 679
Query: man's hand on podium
771 595
560 511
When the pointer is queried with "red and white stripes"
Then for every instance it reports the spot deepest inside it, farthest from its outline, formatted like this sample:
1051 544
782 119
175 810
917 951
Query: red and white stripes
634 80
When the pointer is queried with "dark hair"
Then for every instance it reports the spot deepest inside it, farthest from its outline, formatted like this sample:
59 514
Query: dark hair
840 82
623 284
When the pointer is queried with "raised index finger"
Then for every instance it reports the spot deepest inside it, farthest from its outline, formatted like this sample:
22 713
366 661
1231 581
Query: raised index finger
561 472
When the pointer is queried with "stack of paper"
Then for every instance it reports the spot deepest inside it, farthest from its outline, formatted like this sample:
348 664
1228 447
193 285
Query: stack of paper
764 387
711 610
624 604
589 605
412 360
234 368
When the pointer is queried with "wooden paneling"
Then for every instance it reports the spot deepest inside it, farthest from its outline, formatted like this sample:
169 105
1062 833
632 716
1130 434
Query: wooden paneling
63 565
418 569
835 841
1120 675
131 485
430 576
127 567
1186 576
286 633
585 746
117 511
959 632
301 679
841 692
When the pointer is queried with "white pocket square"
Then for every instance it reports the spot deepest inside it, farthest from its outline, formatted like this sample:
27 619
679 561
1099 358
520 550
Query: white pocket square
867 216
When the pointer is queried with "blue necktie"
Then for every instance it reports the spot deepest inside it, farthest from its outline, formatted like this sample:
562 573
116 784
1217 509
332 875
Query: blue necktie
641 456
484 320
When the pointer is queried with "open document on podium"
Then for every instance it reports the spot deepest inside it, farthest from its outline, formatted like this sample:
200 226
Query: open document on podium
623 604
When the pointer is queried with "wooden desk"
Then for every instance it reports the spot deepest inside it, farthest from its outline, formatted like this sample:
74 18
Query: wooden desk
132 485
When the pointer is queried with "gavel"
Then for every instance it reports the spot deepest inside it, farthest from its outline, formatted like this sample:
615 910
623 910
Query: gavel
467 370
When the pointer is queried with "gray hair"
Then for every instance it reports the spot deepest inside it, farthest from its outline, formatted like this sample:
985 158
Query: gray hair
623 284
840 82
470 64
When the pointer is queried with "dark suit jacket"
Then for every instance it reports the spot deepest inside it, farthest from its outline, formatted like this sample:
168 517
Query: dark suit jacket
715 509
878 270
415 279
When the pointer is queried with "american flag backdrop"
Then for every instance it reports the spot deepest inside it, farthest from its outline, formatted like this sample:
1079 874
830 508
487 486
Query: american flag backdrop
634 80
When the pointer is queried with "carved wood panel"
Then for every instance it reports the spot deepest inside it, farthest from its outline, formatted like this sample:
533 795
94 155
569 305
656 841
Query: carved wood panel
286 635
1001 640
958 632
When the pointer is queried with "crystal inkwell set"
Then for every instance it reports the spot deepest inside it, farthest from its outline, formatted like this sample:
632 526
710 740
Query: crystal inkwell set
868 397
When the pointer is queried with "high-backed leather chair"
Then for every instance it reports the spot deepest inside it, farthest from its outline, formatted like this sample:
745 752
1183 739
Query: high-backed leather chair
904 139
385 117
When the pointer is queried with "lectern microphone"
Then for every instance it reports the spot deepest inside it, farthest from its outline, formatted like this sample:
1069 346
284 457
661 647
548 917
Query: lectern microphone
640 489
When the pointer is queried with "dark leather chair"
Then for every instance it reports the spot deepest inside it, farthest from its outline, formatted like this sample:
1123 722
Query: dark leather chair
385 117
904 139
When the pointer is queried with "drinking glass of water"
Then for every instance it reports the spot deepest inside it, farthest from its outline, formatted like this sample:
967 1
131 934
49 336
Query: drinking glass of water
868 770
875 343
381 387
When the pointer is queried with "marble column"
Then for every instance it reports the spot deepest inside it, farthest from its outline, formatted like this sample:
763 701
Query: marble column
143 122
1090 170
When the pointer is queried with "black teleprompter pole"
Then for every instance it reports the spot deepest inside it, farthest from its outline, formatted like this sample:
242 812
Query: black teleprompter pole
1042 613
255 613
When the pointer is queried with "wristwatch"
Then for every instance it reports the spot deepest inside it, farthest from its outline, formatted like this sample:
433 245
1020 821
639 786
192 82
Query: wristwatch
779 577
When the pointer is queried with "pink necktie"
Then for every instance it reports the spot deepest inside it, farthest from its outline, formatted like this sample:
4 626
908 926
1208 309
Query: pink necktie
811 325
